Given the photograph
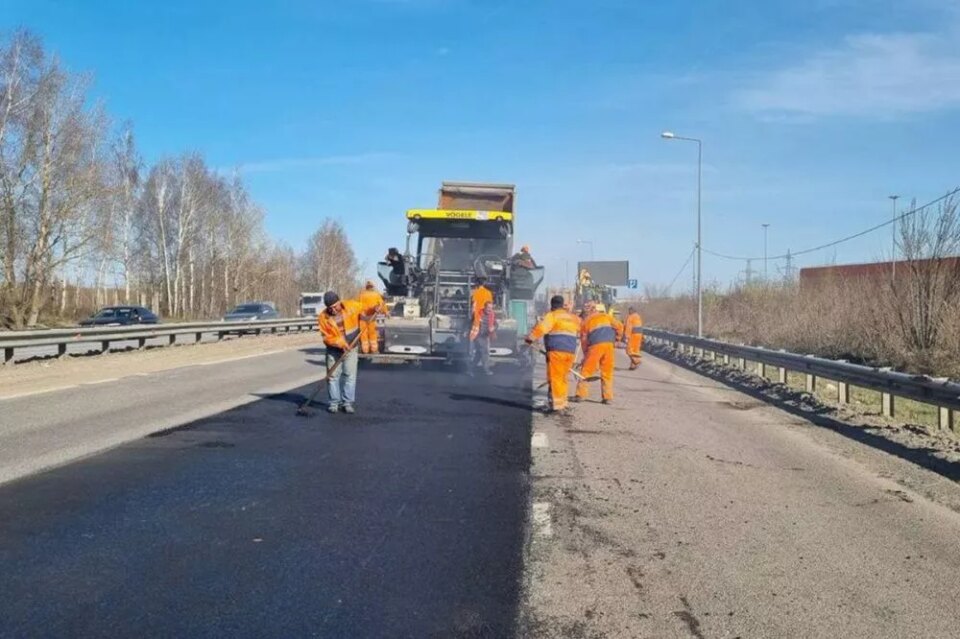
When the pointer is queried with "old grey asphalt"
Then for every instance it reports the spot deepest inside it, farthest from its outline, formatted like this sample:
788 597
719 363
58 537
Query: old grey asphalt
688 509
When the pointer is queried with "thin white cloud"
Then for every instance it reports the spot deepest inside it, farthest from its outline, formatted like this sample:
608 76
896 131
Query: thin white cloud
288 164
880 76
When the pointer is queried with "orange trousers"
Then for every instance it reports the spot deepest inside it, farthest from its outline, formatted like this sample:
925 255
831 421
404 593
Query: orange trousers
635 349
559 364
599 357
369 342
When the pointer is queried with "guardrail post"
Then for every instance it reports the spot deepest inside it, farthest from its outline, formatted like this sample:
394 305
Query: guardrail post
173 339
742 363
843 393
105 346
61 349
7 355
887 401
761 369
726 359
811 383
783 376
219 335
199 338
698 352
141 343
946 419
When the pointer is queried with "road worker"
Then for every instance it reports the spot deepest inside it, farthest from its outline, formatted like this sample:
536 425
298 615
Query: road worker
372 304
482 334
598 334
633 336
339 324
523 259
560 330
481 296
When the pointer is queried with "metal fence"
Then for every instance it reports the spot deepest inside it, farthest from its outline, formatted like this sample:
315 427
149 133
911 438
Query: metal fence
61 338
939 392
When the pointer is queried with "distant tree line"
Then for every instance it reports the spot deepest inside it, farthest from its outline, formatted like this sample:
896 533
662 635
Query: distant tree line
85 222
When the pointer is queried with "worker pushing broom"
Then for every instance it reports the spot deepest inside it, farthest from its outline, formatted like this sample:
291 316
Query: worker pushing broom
339 325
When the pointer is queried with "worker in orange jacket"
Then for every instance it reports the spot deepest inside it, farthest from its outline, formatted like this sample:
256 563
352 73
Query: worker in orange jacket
599 332
339 325
633 336
372 304
480 296
482 334
560 330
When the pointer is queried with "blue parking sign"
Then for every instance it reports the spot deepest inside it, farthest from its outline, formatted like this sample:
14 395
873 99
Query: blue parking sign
631 283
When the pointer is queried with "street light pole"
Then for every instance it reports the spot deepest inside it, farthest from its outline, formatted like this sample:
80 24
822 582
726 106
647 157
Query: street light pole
765 227
668 135
893 254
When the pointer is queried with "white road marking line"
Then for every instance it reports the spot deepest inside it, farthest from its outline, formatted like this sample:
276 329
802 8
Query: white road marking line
542 523
100 381
539 440
37 392
237 359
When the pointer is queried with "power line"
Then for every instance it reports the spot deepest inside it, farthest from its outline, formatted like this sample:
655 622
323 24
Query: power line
682 268
841 240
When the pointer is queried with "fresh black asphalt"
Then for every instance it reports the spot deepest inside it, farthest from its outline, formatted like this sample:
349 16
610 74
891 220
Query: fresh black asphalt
405 520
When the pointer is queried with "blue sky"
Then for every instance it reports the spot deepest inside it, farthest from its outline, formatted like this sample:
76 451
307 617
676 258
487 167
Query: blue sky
811 113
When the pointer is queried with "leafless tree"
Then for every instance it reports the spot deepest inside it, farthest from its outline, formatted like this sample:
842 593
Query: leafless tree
926 287
329 262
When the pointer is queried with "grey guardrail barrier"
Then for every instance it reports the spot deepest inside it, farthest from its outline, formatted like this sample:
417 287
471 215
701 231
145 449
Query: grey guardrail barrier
10 341
939 392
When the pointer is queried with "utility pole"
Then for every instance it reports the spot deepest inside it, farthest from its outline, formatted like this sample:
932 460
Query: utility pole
893 253
788 270
668 135
765 227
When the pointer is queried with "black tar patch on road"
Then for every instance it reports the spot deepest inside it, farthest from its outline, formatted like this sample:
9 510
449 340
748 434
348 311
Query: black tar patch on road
405 520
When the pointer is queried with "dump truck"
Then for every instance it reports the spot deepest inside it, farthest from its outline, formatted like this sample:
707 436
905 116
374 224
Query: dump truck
468 235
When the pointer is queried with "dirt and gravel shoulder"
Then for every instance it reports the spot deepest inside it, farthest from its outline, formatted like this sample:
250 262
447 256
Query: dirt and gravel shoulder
47 375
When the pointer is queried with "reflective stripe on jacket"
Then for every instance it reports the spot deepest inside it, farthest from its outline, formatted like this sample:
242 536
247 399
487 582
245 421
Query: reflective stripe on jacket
559 330
634 324
600 328
340 330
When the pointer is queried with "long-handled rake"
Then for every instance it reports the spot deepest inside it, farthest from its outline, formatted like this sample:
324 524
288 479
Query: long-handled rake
302 409
582 378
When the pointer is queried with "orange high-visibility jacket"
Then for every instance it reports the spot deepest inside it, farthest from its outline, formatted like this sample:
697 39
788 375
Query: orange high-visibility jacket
340 330
559 330
372 302
490 319
600 328
633 325
480 296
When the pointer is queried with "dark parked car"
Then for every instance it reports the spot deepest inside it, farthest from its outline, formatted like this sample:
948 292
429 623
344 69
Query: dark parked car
251 311
121 316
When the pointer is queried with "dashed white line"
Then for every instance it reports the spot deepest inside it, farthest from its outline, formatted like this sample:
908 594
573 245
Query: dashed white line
542 523
101 381
539 440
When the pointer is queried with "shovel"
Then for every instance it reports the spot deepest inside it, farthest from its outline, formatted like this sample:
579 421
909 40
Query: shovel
302 409
592 378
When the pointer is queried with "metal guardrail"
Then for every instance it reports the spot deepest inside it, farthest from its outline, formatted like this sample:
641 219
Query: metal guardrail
939 392
10 341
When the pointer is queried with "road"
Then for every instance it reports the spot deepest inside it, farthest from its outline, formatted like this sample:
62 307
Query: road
689 509
445 508
252 522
